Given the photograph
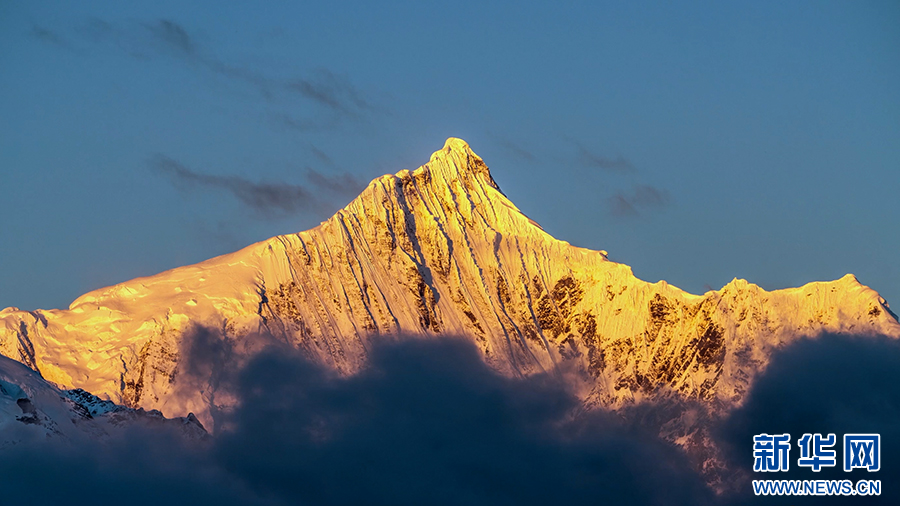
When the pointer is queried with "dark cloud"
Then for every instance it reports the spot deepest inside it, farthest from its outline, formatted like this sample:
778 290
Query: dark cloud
148 466
429 422
425 422
266 199
617 164
837 384
640 198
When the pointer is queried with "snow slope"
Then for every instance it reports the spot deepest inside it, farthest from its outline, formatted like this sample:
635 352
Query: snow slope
30 407
436 250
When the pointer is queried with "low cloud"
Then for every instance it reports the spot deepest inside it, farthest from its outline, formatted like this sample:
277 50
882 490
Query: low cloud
425 422
266 199
839 384
640 199
429 422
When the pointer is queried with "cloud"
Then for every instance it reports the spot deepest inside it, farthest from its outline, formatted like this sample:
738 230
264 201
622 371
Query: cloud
331 90
269 199
429 422
640 198
266 199
48 36
145 465
832 384
340 185
223 235
173 35
176 41
425 422
321 155
168 38
514 148
618 164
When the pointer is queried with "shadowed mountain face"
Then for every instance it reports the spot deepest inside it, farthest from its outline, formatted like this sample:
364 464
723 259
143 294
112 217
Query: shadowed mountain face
437 250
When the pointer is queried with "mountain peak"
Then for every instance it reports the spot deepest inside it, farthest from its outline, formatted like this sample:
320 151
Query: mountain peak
452 194
454 144
435 250
456 160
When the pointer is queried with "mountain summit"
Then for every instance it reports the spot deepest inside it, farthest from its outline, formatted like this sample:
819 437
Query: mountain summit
436 250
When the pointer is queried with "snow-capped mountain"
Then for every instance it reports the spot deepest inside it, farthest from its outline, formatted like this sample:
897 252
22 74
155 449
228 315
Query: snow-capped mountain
437 250
30 407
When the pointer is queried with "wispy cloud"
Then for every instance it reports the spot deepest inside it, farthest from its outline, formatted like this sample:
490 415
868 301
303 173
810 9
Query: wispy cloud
344 185
332 92
321 155
48 36
266 199
174 35
590 159
513 148
641 198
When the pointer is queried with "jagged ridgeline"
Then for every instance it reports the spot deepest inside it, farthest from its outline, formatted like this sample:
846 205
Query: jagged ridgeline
437 250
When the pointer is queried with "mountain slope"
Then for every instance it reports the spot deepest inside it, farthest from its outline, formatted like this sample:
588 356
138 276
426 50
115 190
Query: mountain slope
30 407
435 250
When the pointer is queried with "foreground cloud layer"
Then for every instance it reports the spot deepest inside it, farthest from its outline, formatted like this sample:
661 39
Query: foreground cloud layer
835 384
426 422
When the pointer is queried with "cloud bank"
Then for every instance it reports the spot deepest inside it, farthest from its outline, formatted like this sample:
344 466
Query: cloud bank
426 422
839 384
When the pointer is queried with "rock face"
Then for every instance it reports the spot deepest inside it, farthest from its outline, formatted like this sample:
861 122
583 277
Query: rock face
436 250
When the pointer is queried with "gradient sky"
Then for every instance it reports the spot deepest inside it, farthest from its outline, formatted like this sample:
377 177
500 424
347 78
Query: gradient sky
696 143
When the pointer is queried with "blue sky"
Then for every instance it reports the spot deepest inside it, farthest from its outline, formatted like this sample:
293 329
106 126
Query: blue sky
695 142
